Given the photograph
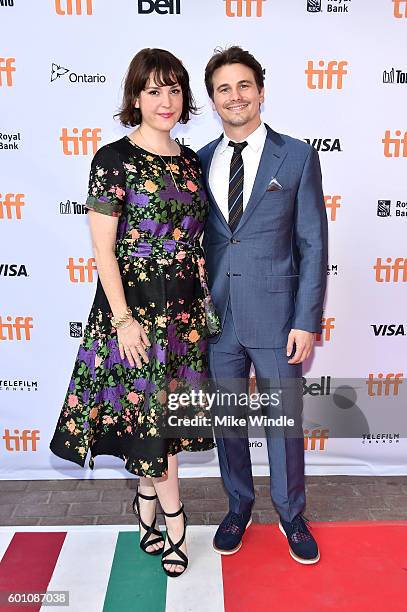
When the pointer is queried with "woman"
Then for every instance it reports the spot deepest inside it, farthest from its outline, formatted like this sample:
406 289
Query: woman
147 328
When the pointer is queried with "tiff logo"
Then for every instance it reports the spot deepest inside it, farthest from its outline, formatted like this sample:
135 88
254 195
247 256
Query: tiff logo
73 7
13 202
26 441
400 264
85 271
326 77
7 69
80 143
399 5
234 8
391 381
14 330
332 203
328 323
392 146
315 438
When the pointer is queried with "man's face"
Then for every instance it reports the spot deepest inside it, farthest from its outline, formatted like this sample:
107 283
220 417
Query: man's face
236 97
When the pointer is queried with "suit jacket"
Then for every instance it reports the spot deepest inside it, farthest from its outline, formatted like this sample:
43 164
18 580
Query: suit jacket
273 267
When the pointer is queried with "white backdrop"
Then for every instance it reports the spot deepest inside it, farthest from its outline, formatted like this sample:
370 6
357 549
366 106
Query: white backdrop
48 46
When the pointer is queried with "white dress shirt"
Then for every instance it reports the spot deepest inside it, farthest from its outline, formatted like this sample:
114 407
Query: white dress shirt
220 167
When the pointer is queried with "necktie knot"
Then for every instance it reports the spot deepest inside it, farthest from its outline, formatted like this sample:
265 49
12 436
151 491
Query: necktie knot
238 146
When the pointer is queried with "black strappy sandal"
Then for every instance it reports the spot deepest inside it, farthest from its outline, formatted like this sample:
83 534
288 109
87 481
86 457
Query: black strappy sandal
174 547
150 529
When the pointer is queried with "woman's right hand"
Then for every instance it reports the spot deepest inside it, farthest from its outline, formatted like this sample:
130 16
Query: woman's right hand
132 342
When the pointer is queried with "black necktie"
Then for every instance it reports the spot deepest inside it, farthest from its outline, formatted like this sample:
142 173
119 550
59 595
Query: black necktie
236 178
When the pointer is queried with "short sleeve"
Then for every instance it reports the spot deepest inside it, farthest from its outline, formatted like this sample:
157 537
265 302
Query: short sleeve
107 183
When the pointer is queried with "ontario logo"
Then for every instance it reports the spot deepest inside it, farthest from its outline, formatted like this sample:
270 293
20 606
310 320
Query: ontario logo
58 72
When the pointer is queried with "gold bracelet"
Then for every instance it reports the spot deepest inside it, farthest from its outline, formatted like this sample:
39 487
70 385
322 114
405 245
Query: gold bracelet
126 326
117 321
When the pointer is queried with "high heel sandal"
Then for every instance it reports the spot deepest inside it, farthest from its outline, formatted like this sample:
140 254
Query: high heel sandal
175 547
150 529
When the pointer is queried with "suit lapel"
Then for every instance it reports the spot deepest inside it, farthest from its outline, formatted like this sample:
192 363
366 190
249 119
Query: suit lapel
273 155
212 199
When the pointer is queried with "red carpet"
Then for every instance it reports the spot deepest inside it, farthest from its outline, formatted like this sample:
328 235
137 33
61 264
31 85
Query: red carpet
363 567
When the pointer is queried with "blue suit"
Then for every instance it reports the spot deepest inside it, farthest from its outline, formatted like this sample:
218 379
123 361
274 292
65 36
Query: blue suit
265 278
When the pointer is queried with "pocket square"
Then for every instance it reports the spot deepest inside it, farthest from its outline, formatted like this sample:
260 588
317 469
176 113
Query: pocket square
274 185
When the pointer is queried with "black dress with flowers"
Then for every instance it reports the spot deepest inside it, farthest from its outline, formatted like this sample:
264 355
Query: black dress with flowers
110 407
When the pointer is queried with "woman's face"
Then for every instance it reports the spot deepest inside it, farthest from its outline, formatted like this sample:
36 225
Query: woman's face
160 106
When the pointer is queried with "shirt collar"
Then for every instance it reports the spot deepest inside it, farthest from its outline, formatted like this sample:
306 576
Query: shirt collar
255 140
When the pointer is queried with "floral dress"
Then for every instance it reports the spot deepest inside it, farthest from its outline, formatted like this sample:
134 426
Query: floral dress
110 407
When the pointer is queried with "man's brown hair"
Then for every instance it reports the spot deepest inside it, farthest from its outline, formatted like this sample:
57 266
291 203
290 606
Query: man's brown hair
232 55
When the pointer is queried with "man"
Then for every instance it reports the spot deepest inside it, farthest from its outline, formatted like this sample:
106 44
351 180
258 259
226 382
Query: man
266 256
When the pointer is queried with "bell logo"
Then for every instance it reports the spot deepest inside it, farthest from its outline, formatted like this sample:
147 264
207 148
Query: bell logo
69 6
14 330
81 272
328 323
332 203
400 264
234 8
6 70
80 143
162 7
392 146
390 382
12 203
26 441
325 76
400 8
315 439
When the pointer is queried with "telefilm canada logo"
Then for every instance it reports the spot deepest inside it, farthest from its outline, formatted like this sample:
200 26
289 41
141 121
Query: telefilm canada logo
384 208
18 385
58 72
331 6
381 438
72 208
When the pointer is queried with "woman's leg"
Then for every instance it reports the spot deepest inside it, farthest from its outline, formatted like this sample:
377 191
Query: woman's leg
147 509
167 488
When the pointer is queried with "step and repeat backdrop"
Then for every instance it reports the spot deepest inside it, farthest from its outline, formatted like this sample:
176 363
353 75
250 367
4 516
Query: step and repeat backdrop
336 77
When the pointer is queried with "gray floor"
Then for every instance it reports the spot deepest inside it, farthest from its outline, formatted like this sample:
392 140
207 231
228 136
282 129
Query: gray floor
106 502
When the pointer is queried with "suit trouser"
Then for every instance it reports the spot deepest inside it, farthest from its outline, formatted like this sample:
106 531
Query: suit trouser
230 361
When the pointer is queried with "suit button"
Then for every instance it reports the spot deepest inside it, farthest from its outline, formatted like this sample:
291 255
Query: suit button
227 273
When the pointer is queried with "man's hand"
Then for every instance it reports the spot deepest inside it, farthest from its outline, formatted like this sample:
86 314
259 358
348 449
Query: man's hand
304 342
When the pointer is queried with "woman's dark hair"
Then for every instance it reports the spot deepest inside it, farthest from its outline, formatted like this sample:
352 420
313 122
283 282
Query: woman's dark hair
167 70
233 55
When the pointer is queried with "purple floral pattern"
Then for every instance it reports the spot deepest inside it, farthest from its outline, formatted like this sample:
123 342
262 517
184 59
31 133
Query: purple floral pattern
111 407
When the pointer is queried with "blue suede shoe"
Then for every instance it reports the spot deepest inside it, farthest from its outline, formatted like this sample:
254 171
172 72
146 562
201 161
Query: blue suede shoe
303 547
228 537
